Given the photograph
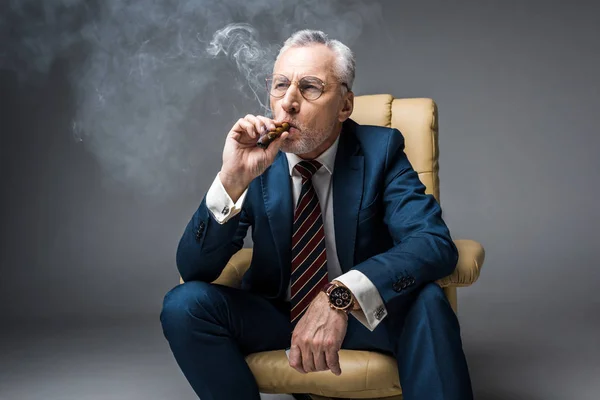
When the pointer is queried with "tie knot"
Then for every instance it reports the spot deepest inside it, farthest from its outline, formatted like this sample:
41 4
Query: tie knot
307 168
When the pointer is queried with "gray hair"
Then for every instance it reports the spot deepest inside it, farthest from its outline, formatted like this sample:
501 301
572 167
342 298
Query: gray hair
345 64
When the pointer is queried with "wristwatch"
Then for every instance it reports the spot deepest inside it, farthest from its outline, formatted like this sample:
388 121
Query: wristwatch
340 297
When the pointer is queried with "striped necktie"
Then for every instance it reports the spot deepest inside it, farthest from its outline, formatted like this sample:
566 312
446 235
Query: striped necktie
309 258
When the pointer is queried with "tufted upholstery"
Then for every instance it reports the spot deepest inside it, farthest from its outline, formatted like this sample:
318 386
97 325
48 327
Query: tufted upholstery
368 375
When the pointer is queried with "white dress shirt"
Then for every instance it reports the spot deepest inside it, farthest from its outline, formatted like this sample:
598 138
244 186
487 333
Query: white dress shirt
223 208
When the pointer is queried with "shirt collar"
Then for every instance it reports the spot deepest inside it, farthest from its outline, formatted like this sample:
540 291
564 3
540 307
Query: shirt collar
327 158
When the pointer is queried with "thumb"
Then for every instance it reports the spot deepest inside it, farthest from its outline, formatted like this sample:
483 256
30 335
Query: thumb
276 145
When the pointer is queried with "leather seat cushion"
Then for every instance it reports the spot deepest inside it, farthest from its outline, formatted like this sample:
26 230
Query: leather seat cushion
365 374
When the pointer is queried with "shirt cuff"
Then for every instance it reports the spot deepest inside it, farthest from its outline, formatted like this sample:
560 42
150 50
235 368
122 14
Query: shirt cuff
373 310
219 202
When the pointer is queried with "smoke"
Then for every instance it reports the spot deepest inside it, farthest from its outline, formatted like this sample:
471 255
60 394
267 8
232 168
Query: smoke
145 76
253 60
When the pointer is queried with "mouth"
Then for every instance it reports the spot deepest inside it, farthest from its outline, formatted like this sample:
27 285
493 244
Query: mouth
293 128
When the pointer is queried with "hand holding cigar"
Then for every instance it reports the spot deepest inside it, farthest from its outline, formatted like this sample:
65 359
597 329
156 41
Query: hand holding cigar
266 139
248 152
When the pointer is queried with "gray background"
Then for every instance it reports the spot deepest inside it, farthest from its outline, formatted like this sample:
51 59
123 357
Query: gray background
87 246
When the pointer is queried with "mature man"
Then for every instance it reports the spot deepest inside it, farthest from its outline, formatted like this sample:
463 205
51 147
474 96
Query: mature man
341 225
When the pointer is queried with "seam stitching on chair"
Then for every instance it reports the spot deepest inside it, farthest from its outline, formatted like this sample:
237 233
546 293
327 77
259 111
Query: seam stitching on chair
389 114
431 131
237 271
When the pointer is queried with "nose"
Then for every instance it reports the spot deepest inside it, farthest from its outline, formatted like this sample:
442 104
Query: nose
291 100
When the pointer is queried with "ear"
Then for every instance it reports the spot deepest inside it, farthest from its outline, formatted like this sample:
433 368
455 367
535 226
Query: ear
347 106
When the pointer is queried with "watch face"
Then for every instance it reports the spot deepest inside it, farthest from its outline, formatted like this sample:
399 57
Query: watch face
340 297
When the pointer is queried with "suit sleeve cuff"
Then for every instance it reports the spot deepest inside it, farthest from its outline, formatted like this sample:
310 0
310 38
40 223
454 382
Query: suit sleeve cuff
220 204
373 310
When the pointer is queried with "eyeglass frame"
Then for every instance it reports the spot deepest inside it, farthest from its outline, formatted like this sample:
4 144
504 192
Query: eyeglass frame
298 86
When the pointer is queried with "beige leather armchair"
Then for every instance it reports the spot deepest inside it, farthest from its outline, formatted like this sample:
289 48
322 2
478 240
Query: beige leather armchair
366 374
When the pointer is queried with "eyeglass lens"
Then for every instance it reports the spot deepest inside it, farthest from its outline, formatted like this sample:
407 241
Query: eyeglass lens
311 87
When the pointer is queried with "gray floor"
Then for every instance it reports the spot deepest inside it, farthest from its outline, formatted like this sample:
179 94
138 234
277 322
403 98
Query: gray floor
130 360
113 360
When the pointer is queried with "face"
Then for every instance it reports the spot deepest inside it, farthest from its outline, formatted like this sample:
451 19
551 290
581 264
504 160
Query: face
315 123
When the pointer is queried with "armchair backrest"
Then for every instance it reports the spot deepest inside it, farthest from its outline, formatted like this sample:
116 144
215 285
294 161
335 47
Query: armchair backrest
417 119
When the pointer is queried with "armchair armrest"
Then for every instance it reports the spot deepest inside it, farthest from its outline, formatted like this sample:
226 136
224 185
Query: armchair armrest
470 260
235 269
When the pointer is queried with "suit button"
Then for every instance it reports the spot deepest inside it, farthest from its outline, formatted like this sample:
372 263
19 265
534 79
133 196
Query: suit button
411 281
397 286
200 231
405 284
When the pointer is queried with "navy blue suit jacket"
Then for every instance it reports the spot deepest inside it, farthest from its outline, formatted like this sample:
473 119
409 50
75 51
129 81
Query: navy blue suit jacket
385 225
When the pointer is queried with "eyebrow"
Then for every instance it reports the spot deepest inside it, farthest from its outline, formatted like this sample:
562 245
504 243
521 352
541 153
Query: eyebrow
303 76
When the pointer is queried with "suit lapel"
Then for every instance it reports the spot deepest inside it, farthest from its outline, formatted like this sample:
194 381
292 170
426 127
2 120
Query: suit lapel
348 178
277 195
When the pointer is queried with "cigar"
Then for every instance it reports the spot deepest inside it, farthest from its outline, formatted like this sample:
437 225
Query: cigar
268 137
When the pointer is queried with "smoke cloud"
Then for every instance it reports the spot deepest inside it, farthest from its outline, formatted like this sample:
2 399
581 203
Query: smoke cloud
142 73
253 60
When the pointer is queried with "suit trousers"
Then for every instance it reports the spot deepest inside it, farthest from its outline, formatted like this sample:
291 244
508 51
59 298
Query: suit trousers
211 328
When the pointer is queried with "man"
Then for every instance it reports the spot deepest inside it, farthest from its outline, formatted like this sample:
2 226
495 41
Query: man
341 225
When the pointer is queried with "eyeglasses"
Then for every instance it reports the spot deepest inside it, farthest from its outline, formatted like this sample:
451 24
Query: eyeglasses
310 87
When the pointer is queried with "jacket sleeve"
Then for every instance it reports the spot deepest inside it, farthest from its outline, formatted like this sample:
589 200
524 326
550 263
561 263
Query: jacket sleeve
206 245
422 250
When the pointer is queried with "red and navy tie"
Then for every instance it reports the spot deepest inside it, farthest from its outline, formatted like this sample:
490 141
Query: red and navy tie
309 258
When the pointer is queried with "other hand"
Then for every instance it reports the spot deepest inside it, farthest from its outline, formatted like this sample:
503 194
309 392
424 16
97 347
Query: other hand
318 337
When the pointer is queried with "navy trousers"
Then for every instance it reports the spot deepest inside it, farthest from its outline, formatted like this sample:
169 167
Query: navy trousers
211 328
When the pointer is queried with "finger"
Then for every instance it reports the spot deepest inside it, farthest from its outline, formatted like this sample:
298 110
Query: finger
259 127
320 361
237 131
333 361
296 359
248 128
269 123
307 359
